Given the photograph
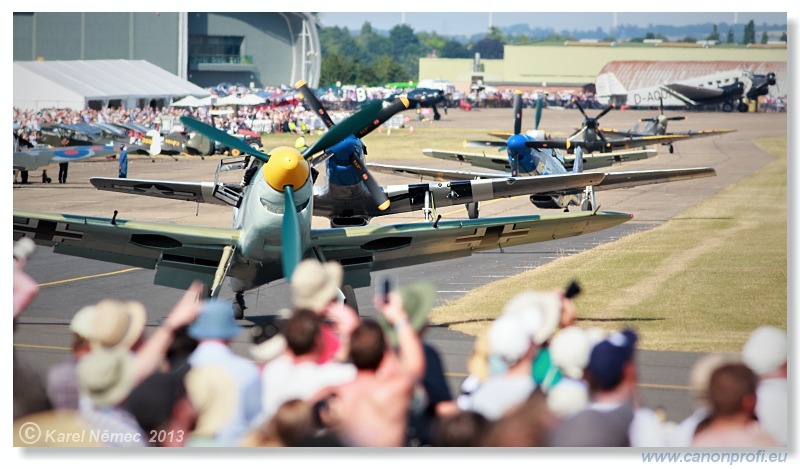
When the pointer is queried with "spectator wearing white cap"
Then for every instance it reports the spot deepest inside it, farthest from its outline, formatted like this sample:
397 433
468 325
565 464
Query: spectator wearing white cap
214 329
569 350
765 354
511 353
556 311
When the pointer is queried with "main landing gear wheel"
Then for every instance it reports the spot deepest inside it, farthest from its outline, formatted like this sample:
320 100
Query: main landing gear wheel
238 306
473 210
671 148
586 205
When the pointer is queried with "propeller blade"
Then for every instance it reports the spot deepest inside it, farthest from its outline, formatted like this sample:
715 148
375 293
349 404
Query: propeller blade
539 105
311 100
539 144
484 144
398 105
375 190
515 166
345 128
219 136
648 119
606 145
517 112
605 111
580 108
290 234
676 118
661 105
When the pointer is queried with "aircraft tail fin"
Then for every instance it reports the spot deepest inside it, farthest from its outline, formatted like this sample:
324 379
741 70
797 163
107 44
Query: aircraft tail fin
608 85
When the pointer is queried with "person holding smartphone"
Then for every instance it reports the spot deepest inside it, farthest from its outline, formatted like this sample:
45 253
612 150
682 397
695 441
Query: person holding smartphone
372 410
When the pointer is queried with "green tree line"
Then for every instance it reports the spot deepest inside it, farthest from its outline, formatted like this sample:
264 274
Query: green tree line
373 59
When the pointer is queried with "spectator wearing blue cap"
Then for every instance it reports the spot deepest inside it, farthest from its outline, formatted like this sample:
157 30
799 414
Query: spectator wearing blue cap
613 417
214 329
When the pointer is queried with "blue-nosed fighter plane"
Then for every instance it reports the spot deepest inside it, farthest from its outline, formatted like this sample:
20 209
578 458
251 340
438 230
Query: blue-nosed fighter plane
526 155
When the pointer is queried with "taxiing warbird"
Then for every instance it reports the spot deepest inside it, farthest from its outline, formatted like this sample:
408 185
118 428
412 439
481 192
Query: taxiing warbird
526 156
590 137
271 230
658 126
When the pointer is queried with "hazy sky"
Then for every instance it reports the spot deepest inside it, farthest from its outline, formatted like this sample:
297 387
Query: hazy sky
473 23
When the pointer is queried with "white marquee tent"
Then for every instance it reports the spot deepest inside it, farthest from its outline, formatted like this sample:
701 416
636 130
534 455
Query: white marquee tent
78 84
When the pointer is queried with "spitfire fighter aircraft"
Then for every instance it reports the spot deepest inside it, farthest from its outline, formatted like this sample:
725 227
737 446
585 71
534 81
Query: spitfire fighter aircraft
591 138
658 126
271 231
28 157
423 97
525 155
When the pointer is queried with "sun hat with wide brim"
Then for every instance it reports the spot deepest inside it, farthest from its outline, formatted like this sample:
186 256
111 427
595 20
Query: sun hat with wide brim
419 299
212 392
114 324
107 376
315 284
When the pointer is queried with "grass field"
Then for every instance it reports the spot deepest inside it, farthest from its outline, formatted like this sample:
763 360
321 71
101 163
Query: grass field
700 282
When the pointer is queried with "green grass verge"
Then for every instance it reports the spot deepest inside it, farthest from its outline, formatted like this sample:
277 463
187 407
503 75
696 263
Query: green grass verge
700 282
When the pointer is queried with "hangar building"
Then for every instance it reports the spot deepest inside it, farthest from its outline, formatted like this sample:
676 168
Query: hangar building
80 84
258 49
574 65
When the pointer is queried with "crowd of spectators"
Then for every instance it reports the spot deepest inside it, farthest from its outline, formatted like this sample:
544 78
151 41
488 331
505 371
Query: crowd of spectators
327 377
283 110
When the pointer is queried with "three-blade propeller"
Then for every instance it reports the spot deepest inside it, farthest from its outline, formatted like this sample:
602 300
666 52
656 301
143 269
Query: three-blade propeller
290 230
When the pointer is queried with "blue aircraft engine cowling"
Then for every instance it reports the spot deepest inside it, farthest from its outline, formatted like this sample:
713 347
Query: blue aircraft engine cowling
340 168
516 147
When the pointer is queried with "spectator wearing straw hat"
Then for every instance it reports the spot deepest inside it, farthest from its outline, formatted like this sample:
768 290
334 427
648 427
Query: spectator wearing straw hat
106 377
315 287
